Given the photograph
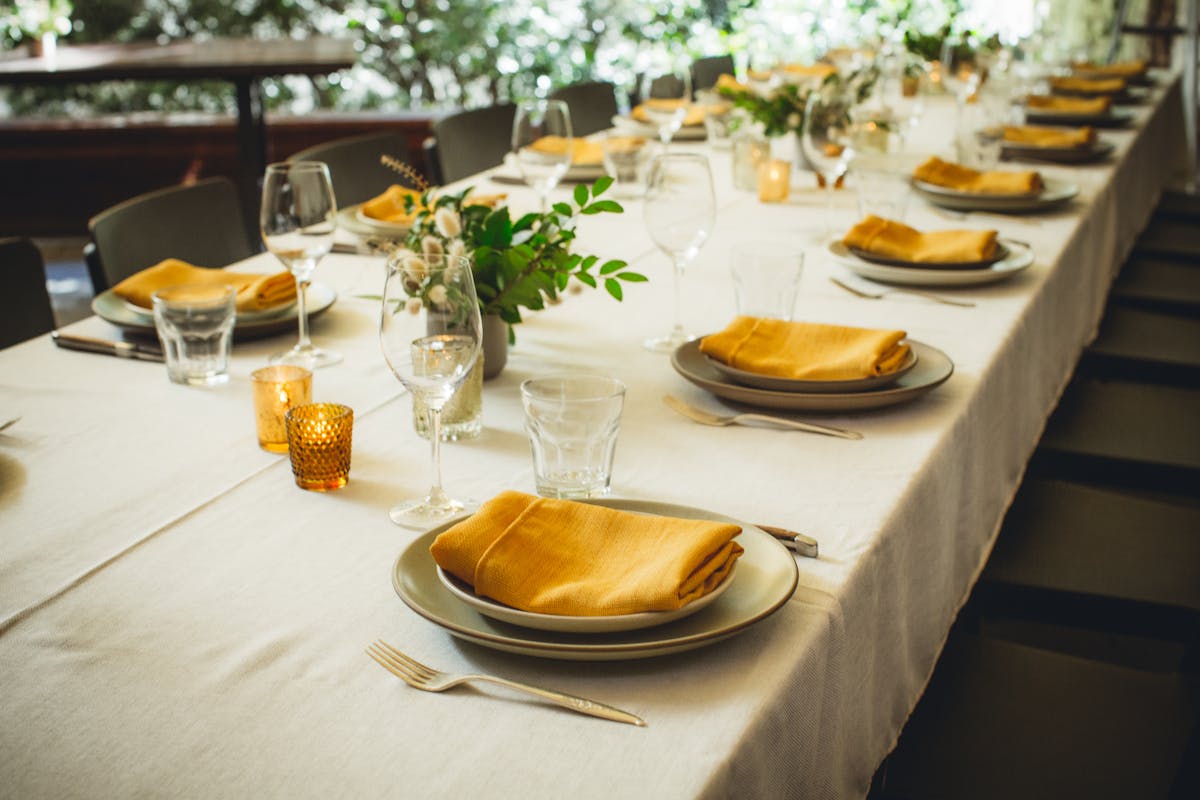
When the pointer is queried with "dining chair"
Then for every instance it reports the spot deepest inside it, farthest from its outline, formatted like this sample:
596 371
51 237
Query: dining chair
201 223
471 141
706 71
25 309
593 105
354 164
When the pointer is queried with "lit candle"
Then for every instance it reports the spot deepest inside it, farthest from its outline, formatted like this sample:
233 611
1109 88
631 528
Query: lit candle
276 390
774 180
319 438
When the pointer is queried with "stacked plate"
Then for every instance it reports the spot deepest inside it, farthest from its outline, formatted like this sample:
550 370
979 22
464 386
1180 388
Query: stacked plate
1111 118
926 368
763 580
1096 150
1054 193
686 133
1010 259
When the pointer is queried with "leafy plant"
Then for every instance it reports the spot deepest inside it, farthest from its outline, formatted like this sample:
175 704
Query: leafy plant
522 263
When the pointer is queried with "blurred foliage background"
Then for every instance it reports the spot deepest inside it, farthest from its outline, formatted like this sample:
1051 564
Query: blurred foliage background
417 54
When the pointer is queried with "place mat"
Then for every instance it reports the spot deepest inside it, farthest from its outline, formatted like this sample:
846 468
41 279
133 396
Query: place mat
932 369
767 577
1019 258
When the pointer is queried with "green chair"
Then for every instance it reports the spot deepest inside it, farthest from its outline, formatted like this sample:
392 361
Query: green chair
355 167
471 141
25 309
706 71
593 105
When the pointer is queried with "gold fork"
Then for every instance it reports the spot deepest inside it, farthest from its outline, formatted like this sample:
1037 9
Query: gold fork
428 679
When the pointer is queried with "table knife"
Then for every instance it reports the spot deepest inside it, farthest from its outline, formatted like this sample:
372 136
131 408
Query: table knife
87 344
803 545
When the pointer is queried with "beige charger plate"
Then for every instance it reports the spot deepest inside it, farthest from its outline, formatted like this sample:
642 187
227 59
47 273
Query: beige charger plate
766 577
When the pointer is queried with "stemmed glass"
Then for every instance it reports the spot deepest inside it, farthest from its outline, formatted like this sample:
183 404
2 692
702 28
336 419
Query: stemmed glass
666 95
827 138
680 212
298 220
542 166
430 330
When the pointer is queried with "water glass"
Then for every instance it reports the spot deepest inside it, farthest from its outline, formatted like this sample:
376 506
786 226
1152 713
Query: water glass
766 278
195 325
882 192
625 161
572 422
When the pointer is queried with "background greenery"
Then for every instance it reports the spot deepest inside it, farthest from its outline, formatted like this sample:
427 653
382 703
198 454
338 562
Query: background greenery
455 53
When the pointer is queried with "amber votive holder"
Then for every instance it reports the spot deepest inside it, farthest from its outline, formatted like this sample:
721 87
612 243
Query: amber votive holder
319 445
774 180
277 390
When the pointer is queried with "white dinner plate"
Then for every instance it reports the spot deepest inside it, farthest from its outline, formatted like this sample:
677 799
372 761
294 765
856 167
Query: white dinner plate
1019 258
379 227
1113 118
248 325
933 369
766 577
576 624
1096 151
823 387
1054 194
687 133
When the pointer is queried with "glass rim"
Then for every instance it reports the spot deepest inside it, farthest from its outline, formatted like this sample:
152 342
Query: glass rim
334 412
199 294
270 373
297 166
615 386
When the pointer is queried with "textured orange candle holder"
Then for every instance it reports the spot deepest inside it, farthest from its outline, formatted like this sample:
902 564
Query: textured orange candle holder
319 437
774 181
276 391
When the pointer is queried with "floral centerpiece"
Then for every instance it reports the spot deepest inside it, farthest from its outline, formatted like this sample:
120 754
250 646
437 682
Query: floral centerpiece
521 263
779 106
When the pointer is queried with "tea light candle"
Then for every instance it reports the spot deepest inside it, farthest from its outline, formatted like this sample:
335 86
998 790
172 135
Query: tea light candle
319 437
276 391
774 180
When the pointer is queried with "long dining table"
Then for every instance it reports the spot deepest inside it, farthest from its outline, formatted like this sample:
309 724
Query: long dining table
177 618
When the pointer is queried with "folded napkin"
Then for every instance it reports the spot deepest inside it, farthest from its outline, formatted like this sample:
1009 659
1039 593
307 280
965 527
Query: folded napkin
254 292
1122 69
806 350
695 113
390 206
1069 105
583 151
818 70
964 179
892 239
1035 136
727 81
1088 85
561 557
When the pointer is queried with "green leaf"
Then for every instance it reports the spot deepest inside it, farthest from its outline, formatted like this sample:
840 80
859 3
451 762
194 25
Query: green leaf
602 206
601 185
633 277
561 280
563 208
613 287
589 262
585 278
611 266
581 194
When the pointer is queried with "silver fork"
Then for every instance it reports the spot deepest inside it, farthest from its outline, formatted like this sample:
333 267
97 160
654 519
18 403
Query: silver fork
720 421
937 298
428 679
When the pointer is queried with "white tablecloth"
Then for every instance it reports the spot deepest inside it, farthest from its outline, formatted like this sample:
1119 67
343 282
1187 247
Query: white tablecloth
177 618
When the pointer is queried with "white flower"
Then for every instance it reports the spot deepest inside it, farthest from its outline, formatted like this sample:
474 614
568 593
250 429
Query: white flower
457 250
793 121
413 306
431 246
415 266
447 222
437 296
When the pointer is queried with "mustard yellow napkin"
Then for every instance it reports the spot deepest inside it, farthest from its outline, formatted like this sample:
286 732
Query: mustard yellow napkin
892 239
695 113
254 292
1069 105
818 70
390 206
727 81
1122 69
583 151
1036 136
561 557
1088 85
964 179
806 350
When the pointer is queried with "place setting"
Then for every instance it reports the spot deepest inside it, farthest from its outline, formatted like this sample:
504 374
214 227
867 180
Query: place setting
1051 109
1054 145
961 188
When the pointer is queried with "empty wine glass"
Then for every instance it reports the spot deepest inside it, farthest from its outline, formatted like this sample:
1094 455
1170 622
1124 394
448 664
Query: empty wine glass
543 161
961 68
827 138
430 330
680 212
666 94
298 220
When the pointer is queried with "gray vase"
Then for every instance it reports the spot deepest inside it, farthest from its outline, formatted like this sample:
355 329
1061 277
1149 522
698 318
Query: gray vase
495 345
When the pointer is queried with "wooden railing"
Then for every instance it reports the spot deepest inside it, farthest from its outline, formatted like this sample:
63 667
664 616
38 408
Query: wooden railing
55 174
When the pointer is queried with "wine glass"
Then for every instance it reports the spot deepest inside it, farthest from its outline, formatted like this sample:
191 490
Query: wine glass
298 220
680 212
431 333
827 137
542 162
666 94
962 71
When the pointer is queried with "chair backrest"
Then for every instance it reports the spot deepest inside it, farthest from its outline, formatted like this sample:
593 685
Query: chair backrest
472 141
355 167
592 105
25 309
705 71
201 223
